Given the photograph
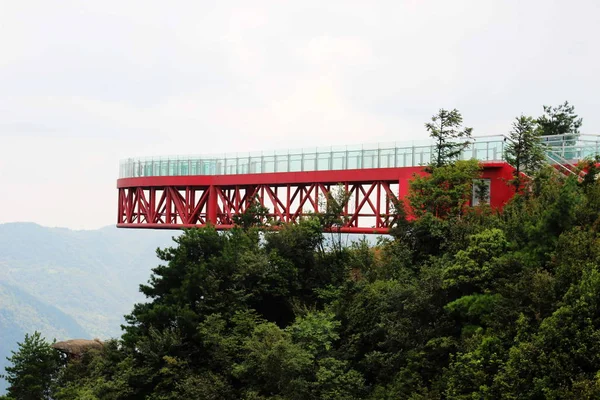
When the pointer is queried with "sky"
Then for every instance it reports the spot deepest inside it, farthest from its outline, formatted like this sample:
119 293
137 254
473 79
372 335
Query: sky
84 84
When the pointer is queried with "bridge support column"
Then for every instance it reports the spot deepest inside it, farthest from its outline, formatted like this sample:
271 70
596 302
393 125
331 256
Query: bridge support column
211 206
403 187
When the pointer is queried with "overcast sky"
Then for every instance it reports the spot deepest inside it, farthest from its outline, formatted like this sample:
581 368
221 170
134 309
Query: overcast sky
86 83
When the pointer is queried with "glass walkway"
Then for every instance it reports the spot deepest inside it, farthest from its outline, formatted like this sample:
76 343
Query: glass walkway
383 155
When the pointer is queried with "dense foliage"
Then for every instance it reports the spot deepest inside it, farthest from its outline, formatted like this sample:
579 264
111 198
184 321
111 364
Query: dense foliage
560 120
32 369
460 303
472 305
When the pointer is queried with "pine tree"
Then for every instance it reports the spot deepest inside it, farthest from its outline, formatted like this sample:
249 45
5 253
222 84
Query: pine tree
560 120
34 367
524 150
563 123
445 128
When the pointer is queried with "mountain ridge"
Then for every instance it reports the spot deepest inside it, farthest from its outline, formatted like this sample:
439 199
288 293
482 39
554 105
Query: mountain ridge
69 283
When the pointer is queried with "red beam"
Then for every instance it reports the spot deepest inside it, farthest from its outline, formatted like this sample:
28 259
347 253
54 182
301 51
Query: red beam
189 201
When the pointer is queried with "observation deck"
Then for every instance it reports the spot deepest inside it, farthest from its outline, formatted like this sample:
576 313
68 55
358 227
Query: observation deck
185 191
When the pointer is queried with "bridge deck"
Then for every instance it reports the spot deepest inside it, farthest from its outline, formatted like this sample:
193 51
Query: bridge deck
185 191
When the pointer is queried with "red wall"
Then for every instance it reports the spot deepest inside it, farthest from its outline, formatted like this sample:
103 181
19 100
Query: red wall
500 190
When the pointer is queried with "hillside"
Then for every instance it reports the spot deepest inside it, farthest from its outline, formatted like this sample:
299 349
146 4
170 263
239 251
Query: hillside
22 313
461 304
92 276
67 283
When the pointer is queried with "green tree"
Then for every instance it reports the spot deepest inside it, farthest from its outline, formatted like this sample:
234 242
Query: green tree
334 204
451 138
562 358
475 268
560 120
563 123
524 150
33 370
255 215
446 191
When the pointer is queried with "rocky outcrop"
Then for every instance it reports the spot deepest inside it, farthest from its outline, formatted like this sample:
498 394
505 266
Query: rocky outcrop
76 347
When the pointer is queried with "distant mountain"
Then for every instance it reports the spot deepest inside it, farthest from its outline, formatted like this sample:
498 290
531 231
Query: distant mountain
22 313
69 284
92 276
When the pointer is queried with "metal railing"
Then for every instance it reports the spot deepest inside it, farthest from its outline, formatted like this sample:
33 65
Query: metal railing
382 155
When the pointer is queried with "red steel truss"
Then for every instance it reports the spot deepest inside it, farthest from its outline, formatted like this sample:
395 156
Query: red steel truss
175 202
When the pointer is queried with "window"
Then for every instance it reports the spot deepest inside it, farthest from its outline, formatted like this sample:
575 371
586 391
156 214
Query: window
481 192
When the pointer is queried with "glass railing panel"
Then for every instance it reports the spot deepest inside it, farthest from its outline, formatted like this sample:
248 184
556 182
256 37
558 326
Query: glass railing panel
386 158
255 165
268 164
341 157
207 167
225 163
477 150
422 156
282 163
404 157
324 161
295 162
588 151
242 165
183 167
309 162
368 158
353 160
338 160
496 150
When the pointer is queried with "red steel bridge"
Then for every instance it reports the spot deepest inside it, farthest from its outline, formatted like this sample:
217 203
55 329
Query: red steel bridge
189 191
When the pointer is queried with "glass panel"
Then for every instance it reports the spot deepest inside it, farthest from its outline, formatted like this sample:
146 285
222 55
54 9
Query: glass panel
309 162
295 162
369 159
354 159
344 157
323 161
269 164
386 158
242 165
282 163
255 165
183 167
339 160
481 191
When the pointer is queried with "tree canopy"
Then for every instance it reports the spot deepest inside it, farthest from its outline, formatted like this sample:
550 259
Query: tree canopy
34 366
450 137
559 120
524 150
461 302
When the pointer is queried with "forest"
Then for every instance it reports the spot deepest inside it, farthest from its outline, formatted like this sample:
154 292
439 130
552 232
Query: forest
458 302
